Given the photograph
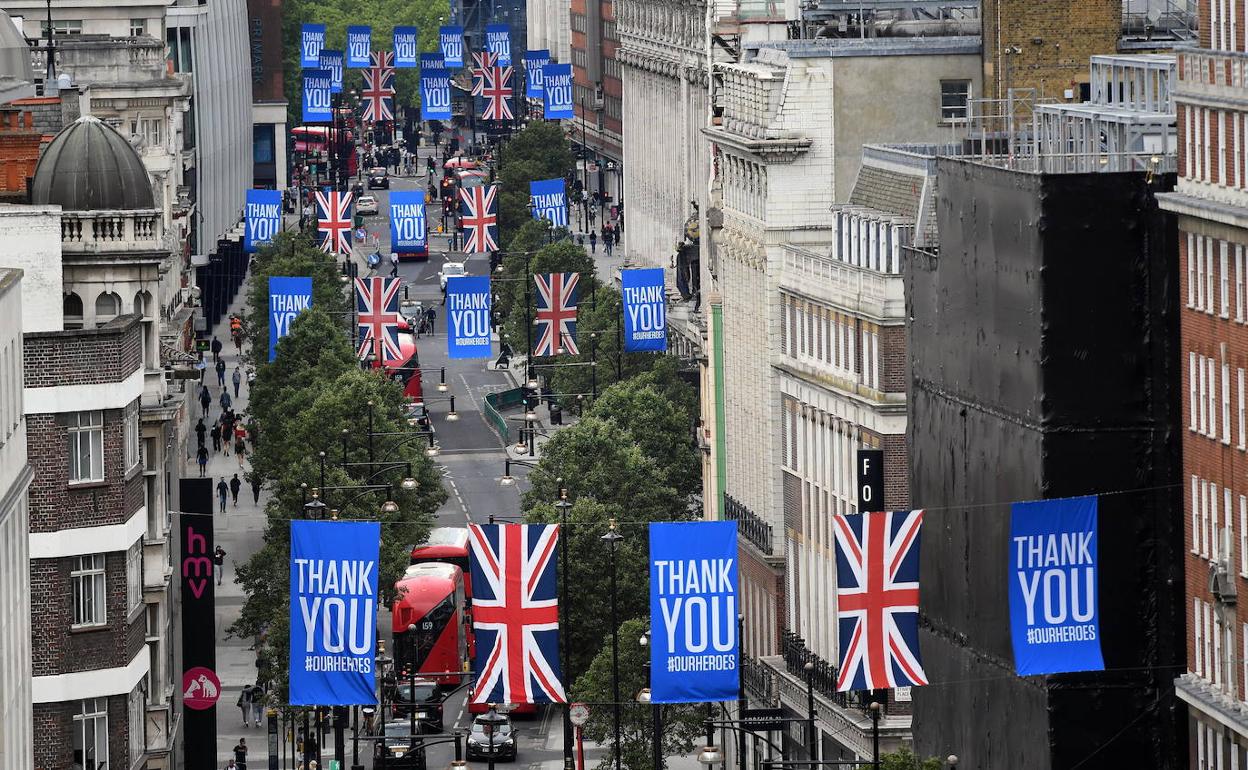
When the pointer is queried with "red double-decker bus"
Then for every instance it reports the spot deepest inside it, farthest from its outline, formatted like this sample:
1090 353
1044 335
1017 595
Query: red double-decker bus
449 545
429 623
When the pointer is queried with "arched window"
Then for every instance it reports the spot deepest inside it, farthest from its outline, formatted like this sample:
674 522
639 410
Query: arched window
107 307
72 310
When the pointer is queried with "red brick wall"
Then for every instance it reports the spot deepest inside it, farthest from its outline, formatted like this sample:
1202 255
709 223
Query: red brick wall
893 359
110 353
19 151
756 571
60 650
54 737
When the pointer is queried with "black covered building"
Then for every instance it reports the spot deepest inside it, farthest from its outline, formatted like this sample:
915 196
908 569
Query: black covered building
1043 346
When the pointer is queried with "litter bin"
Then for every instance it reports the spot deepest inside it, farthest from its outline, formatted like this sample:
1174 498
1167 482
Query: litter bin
556 413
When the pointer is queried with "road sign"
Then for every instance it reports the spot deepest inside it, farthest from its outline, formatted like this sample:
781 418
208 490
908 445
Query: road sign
762 720
578 713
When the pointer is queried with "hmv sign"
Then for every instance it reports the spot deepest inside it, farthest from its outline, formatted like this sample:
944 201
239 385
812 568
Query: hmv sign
199 651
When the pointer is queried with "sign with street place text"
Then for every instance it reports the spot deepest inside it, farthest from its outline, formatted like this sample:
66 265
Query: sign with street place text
333 612
468 316
1053 586
694 648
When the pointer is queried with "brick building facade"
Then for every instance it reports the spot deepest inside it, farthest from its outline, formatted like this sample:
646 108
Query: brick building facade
597 93
19 152
1046 46
87 522
1211 201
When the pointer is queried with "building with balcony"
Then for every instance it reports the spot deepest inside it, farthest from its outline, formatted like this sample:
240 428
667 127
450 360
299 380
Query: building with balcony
1210 202
597 94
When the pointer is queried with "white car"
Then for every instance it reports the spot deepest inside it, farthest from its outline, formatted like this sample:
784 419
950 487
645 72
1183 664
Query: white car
367 204
450 270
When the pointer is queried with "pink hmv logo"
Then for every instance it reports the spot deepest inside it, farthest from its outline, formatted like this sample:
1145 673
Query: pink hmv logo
196 570
200 688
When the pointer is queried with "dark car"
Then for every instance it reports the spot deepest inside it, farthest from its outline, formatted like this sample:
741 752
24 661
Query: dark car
401 751
492 737
378 178
428 704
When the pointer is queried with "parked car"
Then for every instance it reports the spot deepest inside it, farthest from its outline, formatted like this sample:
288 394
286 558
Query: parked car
428 703
492 737
450 270
378 178
367 204
400 750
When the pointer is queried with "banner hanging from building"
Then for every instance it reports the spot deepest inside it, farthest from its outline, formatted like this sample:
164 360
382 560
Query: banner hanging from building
332 61
432 61
317 87
877 597
359 45
435 93
1054 617
515 613
548 200
333 612
405 47
533 63
311 41
451 41
408 230
557 91
468 316
694 648
498 42
288 297
263 218
201 685
645 310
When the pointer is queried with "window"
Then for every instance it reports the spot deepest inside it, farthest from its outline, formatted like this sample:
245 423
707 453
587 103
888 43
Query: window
1217 647
136 708
1196 624
1239 374
179 44
132 438
138 27
1227 544
1195 514
1243 538
71 304
1226 402
91 734
62 27
134 576
1212 379
1204 518
955 101
1224 265
1201 389
155 671
1239 283
87 578
86 446
1193 402
1199 242
148 129
1210 268
1211 523
1206 610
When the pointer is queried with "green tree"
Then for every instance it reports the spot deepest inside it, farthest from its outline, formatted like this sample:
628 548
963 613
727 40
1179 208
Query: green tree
682 723
560 257
905 759
660 427
540 151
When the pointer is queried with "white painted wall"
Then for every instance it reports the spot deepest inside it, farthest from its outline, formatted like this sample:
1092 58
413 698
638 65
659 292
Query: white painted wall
32 238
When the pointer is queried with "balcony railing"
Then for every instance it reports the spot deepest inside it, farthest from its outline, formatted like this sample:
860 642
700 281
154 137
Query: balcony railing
105 231
823 675
749 525
760 682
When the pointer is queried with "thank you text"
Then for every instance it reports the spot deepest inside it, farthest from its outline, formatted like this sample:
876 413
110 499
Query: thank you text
317 86
468 316
407 221
557 91
405 47
263 218
311 41
288 297
533 63
645 309
359 45
451 41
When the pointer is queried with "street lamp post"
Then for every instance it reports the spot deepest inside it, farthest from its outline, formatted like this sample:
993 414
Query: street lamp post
811 741
612 538
564 506
646 696
875 733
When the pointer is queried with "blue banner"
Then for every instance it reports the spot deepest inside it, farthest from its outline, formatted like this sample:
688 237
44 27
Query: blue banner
645 309
533 63
407 222
498 41
263 218
468 316
432 61
311 41
405 47
435 94
288 297
1053 587
359 46
557 91
332 61
333 612
694 650
451 41
548 200
317 87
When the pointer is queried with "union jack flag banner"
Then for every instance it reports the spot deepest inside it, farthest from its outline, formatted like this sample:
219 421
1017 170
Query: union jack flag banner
377 318
556 312
478 215
334 221
481 61
495 89
877 598
378 97
515 613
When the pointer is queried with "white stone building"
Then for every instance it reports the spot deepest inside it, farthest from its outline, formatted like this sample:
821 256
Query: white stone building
549 28
16 713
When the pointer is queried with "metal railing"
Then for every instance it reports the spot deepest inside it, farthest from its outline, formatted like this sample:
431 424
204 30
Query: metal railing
495 403
823 675
760 682
749 525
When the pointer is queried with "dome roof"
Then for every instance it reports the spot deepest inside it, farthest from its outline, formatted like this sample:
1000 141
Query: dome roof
14 53
88 166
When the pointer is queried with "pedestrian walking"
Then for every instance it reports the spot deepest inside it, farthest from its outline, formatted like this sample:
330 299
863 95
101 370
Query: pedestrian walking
257 702
200 432
236 484
240 446
201 457
236 332
218 561
240 751
256 484
606 245
226 401
216 349
223 489
394 264
237 379
593 242
205 398
220 367
216 436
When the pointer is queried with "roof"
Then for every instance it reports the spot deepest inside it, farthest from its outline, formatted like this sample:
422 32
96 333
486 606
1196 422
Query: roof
949 45
90 167
14 53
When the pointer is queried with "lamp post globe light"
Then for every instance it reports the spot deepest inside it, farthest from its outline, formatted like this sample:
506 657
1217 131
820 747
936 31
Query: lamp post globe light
612 539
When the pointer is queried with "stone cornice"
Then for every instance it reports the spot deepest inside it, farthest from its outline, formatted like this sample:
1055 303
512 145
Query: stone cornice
777 150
